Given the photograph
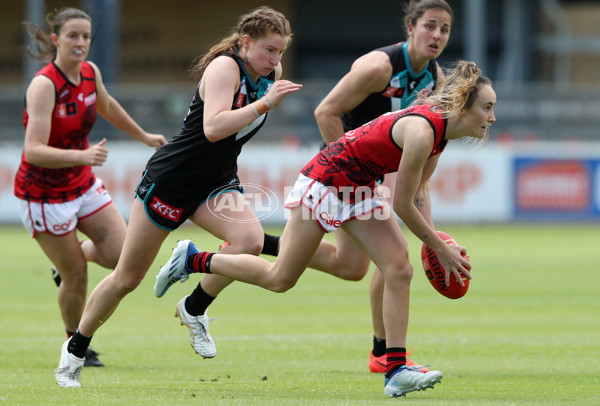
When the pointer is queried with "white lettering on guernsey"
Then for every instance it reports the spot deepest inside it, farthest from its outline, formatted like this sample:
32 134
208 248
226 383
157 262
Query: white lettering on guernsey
90 99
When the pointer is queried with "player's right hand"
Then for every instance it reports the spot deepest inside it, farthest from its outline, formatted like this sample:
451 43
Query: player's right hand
96 155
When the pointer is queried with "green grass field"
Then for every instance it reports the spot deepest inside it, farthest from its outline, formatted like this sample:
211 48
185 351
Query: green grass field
526 333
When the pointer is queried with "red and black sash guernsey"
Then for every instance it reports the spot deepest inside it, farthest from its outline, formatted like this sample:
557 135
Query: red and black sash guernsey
73 117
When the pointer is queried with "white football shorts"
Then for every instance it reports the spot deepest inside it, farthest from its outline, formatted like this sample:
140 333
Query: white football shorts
61 218
326 207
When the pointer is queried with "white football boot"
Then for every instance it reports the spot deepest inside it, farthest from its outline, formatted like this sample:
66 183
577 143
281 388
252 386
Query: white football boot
69 369
407 380
200 338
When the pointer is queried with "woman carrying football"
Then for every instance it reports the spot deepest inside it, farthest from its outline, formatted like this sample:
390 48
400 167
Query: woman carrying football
338 189
56 188
194 174
384 80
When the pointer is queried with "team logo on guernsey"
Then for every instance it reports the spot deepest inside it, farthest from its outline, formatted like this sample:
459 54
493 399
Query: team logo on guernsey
392 91
64 94
61 110
239 101
164 210
411 86
71 109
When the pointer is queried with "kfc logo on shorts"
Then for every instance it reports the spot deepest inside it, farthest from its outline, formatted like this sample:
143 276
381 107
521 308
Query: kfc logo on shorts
329 220
166 211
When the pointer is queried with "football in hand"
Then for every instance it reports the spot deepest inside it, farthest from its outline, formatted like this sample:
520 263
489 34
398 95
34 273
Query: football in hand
436 274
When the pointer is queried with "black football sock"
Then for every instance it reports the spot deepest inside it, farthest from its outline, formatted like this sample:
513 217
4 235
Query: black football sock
78 344
271 245
378 346
197 303
396 359
200 262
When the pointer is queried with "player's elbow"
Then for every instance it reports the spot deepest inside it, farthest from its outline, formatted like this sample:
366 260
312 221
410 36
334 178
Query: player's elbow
212 134
322 113
216 129
401 208
29 156
32 156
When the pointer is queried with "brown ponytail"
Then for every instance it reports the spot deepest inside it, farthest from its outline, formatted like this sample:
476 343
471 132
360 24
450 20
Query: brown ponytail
44 48
458 90
257 24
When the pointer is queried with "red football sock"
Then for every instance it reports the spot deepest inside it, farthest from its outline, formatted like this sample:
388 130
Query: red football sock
200 262
396 358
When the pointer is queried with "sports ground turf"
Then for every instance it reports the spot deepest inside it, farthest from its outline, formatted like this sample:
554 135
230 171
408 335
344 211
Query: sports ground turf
526 333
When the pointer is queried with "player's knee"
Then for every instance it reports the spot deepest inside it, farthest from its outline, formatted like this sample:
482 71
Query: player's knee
111 262
128 287
74 278
247 244
280 284
128 283
397 274
352 268
354 272
403 272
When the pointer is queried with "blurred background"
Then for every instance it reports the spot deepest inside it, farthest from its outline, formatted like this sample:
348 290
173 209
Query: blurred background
543 159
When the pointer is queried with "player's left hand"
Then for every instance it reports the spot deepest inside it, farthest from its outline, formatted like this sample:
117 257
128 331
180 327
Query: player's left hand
280 89
155 140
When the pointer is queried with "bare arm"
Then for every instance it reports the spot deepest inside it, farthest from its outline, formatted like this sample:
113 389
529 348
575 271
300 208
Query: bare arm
415 136
422 198
219 83
40 100
109 108
369 74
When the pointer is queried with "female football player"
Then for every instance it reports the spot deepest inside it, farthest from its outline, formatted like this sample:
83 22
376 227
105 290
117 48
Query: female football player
56 188
193 174
384 80
338 189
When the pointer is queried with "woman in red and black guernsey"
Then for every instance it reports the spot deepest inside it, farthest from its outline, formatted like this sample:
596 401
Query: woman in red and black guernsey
337 189
56 188
383 80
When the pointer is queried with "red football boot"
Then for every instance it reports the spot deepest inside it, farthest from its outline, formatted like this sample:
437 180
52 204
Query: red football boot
378 364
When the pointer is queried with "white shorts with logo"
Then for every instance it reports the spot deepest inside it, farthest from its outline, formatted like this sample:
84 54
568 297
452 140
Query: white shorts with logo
61 218
326 207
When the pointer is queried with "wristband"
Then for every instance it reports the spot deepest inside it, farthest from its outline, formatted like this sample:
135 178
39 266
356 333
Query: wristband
268 102
254 111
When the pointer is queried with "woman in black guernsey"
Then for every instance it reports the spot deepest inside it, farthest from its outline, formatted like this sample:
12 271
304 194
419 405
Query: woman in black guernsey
185 179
